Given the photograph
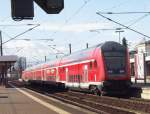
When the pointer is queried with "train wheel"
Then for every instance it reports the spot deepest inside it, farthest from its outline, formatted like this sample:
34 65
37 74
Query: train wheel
94 90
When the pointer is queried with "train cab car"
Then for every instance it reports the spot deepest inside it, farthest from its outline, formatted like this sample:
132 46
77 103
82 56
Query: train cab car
101 68
117 68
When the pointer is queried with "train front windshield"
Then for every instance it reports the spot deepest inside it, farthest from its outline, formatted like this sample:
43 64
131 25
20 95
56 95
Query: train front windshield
115 63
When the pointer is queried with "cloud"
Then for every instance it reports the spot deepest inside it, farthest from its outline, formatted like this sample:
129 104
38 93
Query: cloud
76 27
33 51
80 27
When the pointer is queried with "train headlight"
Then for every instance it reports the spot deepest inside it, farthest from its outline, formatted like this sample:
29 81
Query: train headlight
121 71
110 71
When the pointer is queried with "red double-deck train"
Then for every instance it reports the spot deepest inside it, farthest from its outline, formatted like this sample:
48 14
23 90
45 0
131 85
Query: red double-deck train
102 68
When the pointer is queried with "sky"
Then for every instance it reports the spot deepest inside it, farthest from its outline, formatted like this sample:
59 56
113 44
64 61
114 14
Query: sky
73 26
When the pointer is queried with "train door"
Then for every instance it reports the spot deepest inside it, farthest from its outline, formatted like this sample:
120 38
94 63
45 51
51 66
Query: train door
45 74
66 74
57 75
78 76
85 73
75 77
41 73
34 75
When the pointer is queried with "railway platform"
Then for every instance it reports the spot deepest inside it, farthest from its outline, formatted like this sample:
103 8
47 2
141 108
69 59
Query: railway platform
18 101
144 88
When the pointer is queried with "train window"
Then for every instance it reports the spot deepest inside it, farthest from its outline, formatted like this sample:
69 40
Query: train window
95 64
80 78
90 65
115 64
72 78
75 78
67 74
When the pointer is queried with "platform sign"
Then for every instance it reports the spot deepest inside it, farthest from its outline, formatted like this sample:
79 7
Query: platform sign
140 66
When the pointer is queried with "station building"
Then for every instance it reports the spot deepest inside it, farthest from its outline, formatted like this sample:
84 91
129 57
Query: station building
142 47
17 68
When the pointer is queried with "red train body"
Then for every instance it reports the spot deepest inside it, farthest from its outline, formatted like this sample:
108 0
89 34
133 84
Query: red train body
104 67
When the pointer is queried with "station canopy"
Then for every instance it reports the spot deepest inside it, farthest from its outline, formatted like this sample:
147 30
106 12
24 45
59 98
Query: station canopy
6 62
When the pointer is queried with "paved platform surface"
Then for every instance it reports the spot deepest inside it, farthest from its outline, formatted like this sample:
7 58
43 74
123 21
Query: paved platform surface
13 101
145 88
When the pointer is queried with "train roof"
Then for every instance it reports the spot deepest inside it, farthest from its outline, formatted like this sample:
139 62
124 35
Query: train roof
51 63
88 53
80 55
34 67
111 45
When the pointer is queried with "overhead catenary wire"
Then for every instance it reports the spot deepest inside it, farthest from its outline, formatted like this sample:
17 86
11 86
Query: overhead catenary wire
110 8
106 29
139 19
60 52
78 10
98 13
124 12
118 5
71 17
16 25
27 39
134 22
12 38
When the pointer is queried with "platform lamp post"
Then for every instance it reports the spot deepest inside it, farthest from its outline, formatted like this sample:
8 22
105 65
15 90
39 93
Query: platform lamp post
1 48
119 31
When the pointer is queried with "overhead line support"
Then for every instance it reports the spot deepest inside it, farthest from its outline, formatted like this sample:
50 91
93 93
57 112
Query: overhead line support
122 25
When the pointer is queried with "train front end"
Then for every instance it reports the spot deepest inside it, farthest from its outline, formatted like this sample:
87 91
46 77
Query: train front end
117 68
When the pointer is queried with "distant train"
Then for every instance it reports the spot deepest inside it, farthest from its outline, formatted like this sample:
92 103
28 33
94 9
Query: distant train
103 68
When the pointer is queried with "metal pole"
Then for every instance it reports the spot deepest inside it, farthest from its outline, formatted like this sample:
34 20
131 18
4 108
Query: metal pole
5 75
119 31
70 48
1 48
45 58
144 69
87 45
119 37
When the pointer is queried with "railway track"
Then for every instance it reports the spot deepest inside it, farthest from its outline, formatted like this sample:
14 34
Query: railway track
103 104
137 104
84 103
93 104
